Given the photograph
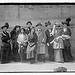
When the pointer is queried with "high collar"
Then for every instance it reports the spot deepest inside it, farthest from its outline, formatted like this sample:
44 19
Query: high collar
4 32
65 29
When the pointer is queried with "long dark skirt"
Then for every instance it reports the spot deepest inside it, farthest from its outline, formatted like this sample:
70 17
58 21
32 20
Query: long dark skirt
5 54
67 54
41 57
14 51
51 52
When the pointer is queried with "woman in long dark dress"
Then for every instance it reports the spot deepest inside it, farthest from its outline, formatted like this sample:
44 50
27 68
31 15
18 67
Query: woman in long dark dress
14 34
67 50
5 46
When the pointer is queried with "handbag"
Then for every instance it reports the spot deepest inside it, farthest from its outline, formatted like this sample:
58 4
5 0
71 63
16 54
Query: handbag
31 44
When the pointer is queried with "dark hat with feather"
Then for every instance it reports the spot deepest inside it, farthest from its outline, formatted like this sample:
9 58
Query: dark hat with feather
6 25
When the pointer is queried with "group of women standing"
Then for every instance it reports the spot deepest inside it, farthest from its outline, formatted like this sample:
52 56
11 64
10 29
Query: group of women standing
36 44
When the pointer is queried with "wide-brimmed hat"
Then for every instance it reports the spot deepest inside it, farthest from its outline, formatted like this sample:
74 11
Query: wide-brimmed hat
65 22
47 23
68 19
17 26
6 25
29 22
39 24
58 25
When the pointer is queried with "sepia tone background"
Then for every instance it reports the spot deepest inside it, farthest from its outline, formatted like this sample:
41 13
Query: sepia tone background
20 14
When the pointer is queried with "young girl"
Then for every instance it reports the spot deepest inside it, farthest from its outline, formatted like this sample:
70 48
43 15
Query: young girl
22 41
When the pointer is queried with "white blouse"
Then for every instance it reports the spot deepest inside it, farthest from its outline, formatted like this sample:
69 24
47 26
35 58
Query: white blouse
21 38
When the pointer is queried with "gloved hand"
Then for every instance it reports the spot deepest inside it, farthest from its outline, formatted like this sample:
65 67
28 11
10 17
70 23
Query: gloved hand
47 44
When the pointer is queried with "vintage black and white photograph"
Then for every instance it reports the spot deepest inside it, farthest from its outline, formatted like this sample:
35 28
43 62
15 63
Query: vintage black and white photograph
37 37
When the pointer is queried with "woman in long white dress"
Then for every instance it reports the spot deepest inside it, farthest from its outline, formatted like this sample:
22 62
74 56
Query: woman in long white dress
22 43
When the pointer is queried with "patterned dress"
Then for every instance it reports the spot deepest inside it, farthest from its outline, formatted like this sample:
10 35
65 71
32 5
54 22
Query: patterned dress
31 48
22 40
58 46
